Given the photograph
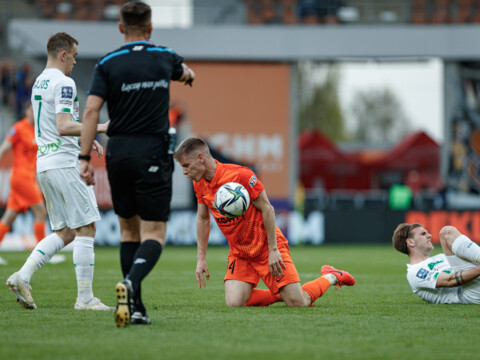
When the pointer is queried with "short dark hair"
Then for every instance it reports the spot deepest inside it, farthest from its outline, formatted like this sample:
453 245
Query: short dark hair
401 234
189 145
60 41
135 17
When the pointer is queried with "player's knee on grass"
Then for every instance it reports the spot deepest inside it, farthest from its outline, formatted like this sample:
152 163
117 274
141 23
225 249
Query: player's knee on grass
237 293
235 302
236 299
294 296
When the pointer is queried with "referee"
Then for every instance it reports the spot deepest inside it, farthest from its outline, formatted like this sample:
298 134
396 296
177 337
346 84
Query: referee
134 80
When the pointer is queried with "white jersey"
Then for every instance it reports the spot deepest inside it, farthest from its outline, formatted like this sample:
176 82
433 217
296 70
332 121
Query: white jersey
54 93
422 277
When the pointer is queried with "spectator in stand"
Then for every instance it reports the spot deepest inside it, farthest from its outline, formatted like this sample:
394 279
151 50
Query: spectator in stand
7 71
23 89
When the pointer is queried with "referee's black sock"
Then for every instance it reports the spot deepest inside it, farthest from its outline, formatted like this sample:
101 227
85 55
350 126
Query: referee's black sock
127 254
128 250
145 259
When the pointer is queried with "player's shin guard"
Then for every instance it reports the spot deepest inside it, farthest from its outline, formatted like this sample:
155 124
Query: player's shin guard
42 254
262 297
317 287
84 261
466 249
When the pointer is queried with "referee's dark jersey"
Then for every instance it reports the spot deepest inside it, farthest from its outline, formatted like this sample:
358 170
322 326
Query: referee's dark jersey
134 80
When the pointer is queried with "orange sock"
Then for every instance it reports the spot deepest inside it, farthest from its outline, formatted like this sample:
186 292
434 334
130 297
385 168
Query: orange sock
39 230
261 297
317 287
3 230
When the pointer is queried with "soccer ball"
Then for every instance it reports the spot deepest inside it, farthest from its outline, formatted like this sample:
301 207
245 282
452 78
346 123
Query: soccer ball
232 200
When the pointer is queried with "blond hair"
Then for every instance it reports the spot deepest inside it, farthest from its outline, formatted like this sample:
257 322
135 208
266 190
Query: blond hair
190 145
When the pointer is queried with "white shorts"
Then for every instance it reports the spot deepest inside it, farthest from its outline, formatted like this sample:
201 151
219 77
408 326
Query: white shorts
471 290
70 202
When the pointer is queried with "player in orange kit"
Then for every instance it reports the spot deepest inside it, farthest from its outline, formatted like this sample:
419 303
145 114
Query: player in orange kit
24 192
258 249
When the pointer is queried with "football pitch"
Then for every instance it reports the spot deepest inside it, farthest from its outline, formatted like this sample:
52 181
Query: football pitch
378 318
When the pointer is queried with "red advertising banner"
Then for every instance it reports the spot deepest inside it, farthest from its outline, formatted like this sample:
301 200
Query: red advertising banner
467 222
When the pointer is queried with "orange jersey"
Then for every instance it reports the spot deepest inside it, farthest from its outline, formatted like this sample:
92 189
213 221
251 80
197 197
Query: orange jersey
246 234
22 138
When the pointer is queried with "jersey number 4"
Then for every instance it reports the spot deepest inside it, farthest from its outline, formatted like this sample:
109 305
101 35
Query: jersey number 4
232 266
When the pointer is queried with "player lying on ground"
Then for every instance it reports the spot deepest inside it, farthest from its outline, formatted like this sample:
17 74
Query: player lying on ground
448 278
258 249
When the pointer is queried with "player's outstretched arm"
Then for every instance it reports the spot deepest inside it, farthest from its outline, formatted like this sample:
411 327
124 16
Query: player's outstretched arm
203 232
457 278
5 147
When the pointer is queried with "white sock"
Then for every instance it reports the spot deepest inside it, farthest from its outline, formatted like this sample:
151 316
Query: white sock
42 254
84 261
332 278
466 249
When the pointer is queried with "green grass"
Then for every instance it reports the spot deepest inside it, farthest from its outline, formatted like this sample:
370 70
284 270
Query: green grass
378 318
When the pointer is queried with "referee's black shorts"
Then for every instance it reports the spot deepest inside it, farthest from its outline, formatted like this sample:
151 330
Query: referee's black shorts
140 174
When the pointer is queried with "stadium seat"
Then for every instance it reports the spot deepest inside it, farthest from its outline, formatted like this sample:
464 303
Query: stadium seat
464 11
419 12
289 12
441 12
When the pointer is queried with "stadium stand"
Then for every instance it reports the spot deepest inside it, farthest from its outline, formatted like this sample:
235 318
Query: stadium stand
85 10
287 12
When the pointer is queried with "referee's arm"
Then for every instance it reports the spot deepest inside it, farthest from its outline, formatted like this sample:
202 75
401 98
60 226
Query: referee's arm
188 75
90 122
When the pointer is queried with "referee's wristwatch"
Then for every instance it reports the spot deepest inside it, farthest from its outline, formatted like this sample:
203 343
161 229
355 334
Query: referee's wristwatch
84 157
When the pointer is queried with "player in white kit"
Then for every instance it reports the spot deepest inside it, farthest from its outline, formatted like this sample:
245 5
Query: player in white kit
448 278
71 204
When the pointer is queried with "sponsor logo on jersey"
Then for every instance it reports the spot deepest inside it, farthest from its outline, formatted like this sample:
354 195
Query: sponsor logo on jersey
252 181
67 92
422 274
49 148
66 102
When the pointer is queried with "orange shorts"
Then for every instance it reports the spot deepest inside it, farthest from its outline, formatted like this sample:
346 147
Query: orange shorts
252 270
23 194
